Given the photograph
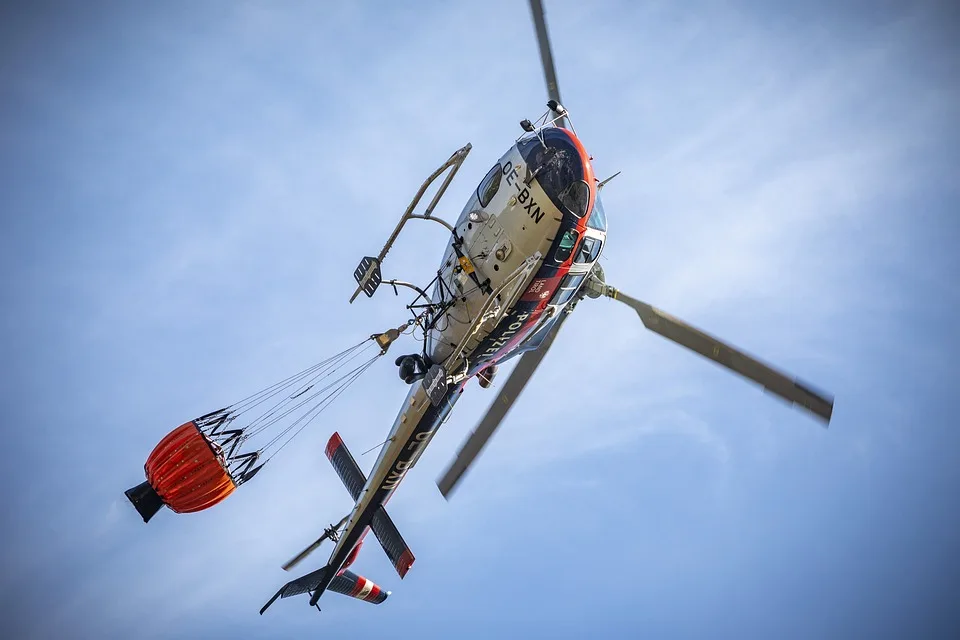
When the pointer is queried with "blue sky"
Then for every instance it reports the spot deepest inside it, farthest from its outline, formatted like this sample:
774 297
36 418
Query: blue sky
187 187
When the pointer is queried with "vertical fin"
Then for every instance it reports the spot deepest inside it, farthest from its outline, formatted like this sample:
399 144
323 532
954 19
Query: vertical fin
303 584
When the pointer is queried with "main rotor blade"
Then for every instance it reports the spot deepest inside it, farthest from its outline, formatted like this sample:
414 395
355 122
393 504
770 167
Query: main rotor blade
771 379
546 55
508 394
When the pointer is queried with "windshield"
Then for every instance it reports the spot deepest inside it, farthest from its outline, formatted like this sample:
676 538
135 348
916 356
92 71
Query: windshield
598 218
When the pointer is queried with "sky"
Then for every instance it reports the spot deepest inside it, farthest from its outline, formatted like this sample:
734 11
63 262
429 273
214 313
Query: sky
186 189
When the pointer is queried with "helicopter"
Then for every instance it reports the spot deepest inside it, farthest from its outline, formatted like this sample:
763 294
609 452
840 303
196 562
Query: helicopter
521 256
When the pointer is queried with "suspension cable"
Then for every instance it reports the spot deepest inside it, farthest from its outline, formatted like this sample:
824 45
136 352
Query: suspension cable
282 409
261 396
315 411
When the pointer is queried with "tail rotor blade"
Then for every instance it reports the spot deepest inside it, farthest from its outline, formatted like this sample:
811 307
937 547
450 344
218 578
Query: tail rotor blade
328 533
303 554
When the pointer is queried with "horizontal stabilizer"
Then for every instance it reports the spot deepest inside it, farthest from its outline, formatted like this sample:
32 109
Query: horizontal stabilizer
345 466
392 542
353 479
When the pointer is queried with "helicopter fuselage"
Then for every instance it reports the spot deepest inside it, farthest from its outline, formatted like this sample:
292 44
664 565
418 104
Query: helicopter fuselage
539 199
522 254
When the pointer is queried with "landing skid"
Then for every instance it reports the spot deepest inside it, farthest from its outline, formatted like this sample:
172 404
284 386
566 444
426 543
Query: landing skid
367 274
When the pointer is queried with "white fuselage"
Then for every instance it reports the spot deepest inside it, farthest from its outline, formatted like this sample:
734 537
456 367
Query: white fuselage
511 225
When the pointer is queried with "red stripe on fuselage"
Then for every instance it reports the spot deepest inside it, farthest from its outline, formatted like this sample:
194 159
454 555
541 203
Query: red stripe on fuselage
353 555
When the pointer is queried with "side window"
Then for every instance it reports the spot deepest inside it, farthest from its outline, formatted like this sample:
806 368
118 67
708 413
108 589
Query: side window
491 183
567 243
589 250
568 287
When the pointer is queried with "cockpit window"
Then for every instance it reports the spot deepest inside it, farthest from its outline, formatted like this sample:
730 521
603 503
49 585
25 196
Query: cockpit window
567 243
598 218
491 183
589 250
576 198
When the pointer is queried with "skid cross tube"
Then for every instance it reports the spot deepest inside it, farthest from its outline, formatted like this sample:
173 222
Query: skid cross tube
453 163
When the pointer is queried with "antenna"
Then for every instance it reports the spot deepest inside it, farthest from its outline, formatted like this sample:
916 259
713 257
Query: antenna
601 185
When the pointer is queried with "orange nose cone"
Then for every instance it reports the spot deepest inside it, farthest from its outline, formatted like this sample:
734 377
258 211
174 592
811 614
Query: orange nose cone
185 472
